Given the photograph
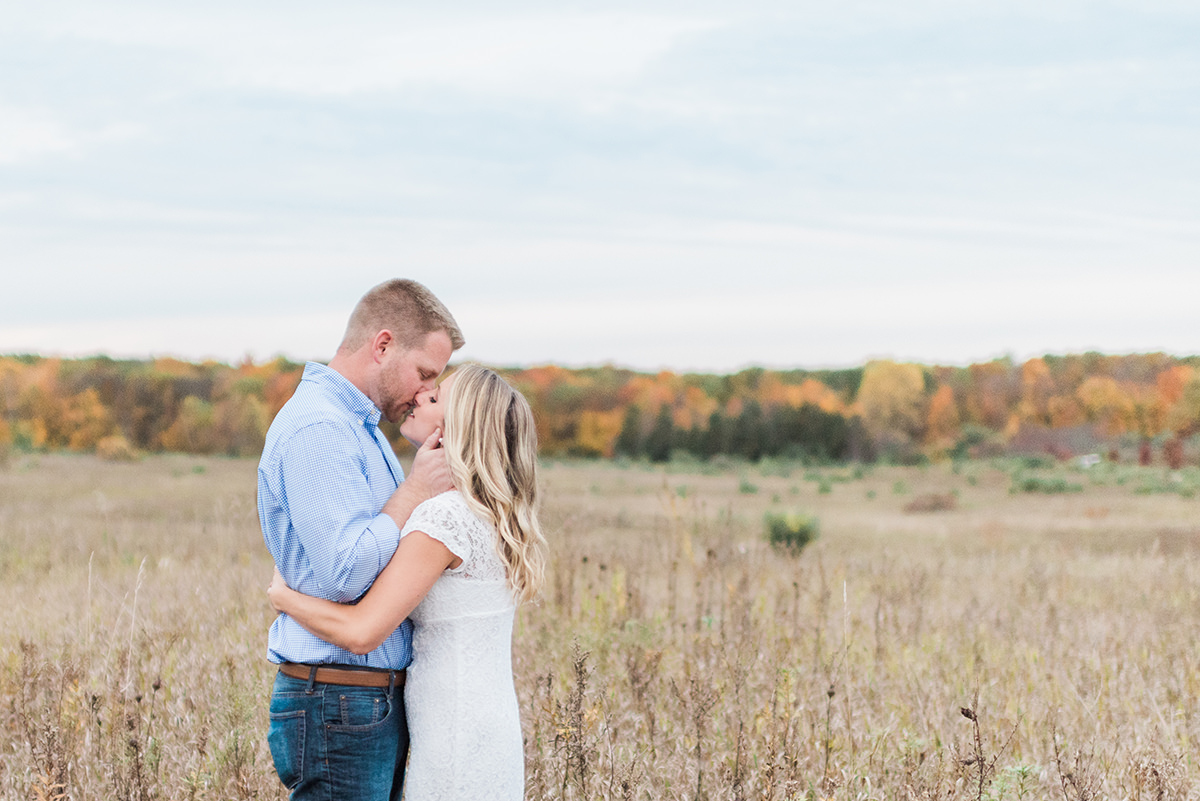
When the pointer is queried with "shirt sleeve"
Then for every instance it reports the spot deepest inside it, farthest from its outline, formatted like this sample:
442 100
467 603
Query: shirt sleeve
346 541
436 517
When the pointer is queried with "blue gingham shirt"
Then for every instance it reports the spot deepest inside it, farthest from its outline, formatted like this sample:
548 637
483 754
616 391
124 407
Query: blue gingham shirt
326 471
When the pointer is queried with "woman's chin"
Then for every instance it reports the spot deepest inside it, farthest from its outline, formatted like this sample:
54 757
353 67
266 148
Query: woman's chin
410 434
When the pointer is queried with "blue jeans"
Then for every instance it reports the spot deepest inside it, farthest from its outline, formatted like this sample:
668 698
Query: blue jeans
336 743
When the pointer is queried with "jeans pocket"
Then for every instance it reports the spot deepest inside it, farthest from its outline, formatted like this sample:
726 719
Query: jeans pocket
286 739
361 710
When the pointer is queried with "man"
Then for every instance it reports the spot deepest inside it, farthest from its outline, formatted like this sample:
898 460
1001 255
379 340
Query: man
331 500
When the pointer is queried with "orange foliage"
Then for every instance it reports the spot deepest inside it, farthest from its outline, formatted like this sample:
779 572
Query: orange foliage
1037 391
214 408
650 392
1171 382
173 367
814 392
279 387
694 408
1065 411
942 423
989 396
1183 416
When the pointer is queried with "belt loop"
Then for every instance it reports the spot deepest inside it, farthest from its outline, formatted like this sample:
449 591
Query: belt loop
312 679
391 682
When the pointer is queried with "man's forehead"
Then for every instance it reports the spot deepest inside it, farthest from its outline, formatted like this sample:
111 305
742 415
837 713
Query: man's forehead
433 352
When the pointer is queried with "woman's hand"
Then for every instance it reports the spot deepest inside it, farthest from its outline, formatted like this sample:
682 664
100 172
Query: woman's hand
277 590
430 470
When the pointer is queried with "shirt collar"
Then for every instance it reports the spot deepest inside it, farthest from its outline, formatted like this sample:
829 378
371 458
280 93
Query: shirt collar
350 396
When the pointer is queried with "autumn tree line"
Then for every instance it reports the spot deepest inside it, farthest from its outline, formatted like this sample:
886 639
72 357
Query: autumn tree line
882 410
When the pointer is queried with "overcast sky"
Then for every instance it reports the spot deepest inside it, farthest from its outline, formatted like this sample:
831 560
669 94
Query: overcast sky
690 185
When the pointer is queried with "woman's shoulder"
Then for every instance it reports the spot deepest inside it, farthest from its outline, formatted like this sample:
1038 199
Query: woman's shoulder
445 509
448 518
450 500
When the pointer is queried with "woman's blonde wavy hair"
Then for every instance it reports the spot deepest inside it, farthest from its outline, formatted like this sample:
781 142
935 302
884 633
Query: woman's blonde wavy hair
491 448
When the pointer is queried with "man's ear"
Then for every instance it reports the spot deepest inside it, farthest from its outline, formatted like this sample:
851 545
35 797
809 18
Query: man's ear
380 344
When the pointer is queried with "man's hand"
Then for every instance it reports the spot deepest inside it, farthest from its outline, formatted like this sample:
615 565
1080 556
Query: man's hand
275 589
430 476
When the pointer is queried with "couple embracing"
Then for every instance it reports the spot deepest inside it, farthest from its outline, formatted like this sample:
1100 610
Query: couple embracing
396 595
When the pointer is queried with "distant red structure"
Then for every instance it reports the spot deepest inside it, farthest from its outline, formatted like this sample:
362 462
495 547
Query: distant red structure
1173 453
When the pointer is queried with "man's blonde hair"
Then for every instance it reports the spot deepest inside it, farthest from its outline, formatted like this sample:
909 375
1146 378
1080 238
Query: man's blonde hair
407 309
491 449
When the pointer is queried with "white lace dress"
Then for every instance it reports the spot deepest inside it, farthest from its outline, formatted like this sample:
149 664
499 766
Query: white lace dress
462 708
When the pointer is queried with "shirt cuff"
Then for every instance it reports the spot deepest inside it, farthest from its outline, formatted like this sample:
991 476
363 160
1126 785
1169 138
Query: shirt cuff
382 536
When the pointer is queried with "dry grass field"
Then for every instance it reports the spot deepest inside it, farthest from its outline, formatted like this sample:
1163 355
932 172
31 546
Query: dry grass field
995 645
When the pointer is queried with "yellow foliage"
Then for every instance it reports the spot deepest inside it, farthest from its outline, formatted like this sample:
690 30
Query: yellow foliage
241 424
193 428
598 431
891 398
30 434
1106 402
87 421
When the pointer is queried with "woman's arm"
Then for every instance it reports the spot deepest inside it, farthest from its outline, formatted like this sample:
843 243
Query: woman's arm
362 627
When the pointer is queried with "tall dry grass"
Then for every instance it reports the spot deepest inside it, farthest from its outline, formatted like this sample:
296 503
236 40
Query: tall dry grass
1006 646
133 647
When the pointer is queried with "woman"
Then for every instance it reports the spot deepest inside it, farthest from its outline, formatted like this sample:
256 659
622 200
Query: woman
465 558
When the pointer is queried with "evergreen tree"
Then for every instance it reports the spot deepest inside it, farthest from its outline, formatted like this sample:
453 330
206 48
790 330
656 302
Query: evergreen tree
661 437
748 437
716 437
629 441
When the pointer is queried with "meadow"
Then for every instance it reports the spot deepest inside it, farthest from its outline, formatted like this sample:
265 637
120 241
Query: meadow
991 629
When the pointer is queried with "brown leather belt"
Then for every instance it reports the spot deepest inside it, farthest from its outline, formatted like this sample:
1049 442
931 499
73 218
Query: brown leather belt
344 675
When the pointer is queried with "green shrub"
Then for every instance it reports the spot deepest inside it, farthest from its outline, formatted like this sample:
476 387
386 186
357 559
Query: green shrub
1173 483
1047 485
790 532
1036 462
746 487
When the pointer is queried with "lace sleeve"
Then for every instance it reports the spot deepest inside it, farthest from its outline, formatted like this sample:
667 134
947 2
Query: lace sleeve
438 518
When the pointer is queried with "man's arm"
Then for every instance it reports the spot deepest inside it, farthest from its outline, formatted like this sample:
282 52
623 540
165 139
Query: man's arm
338 531
343 538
